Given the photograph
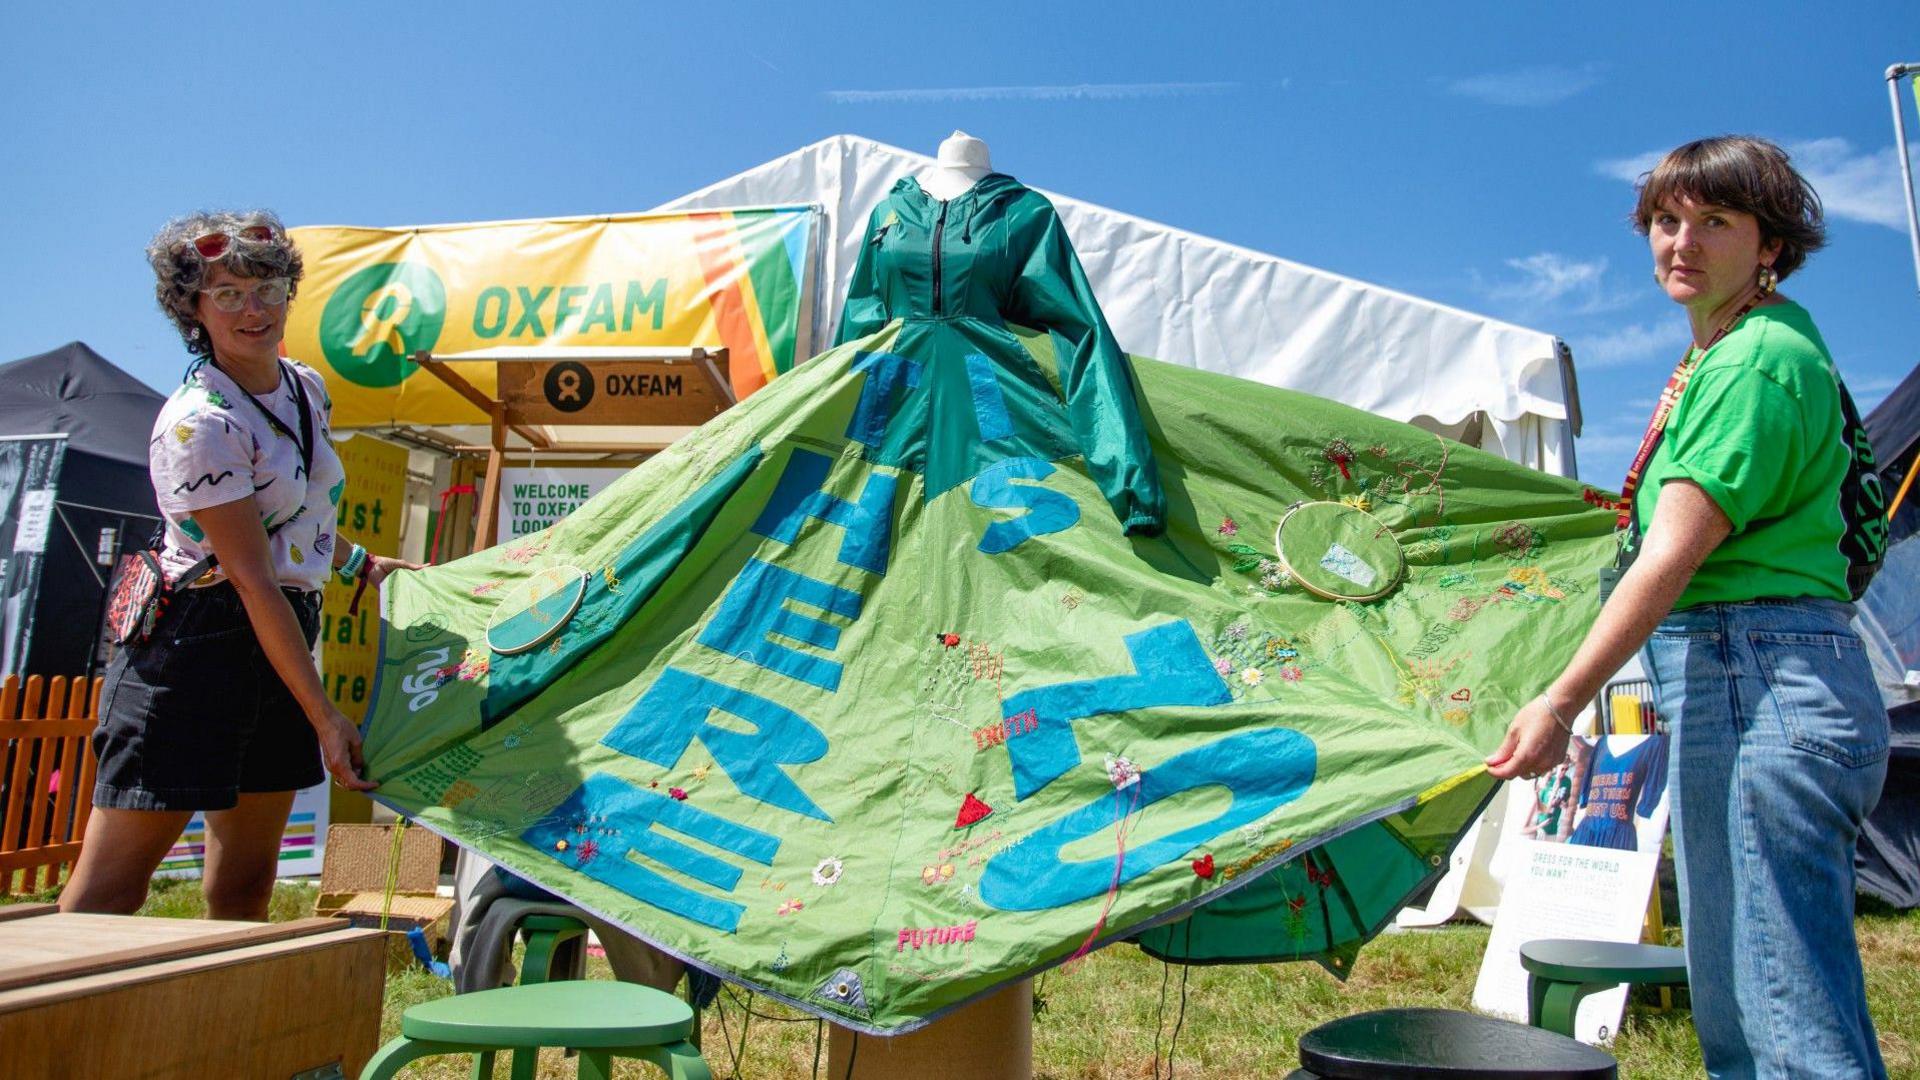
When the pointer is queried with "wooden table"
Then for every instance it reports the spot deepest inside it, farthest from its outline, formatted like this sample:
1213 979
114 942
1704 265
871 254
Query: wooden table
125 996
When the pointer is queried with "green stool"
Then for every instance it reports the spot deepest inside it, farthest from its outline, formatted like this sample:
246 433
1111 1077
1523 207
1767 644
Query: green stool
545 935
1560 973
601 1019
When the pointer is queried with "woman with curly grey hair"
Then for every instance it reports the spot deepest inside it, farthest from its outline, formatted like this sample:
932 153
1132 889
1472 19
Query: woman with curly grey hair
1740 595
217 708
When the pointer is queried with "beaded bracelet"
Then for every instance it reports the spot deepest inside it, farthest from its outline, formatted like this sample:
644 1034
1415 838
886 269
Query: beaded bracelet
351 568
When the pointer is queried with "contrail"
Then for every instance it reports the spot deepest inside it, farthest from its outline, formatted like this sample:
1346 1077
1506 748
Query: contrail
1077 92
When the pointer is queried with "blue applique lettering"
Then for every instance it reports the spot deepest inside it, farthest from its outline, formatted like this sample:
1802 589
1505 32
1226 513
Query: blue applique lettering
678 709
754 610
638 811
868 523
1170 668
1047 511
1262 769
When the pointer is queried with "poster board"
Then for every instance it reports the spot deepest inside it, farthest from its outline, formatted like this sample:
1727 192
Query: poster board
301 846
536 498
369 514
1583 865
29 481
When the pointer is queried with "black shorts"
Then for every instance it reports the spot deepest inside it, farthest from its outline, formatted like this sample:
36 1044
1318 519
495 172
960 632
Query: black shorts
197 715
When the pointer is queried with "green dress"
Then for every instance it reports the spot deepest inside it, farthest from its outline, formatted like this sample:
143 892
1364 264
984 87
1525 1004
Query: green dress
968 646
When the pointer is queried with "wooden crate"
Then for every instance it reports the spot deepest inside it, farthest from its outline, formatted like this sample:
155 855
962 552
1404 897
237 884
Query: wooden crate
353 879
126 996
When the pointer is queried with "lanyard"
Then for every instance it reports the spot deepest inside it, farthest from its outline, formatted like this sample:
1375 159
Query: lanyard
1657 425
303 441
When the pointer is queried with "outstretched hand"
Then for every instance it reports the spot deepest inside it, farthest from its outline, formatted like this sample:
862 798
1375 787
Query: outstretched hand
1535 743
379 566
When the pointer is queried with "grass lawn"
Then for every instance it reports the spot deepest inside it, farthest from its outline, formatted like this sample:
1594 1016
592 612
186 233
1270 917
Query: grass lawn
1101 1021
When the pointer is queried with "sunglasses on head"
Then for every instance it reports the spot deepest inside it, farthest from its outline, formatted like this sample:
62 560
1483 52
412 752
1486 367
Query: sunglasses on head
215 245
271 292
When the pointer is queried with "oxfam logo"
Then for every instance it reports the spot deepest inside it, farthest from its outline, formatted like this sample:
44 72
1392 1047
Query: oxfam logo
379 317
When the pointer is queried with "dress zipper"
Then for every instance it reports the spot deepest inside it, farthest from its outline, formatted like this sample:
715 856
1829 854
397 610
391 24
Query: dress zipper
939 230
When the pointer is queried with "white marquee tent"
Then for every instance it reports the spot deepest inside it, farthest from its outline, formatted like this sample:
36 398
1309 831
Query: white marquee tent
1204 303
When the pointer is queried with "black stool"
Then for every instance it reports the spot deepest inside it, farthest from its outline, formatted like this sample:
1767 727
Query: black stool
1443 1044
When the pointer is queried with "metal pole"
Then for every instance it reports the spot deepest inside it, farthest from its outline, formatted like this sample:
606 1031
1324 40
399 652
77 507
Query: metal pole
1894 75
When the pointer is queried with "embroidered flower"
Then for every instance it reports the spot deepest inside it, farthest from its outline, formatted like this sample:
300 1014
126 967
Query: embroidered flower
1253 676
1203 866
1358 502
485 587
1122 772
587 851
1228 527
949 640
1340 453
1378 449
680 794
1290 673
788 907
827 871
1223 665
1238 631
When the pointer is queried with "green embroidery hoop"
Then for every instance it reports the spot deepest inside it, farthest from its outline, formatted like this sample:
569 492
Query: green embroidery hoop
1339 552
530 614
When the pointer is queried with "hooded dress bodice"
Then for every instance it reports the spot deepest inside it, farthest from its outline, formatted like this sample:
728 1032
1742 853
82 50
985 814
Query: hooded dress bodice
998 254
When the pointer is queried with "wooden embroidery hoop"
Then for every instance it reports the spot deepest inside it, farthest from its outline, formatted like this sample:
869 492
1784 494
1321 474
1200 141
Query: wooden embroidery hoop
529 595
1393 579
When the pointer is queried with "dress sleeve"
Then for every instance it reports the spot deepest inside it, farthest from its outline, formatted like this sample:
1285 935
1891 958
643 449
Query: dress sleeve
1052 294
199 460
865 312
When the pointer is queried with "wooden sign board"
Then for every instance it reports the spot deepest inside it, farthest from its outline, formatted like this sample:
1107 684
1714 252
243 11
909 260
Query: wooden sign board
660 392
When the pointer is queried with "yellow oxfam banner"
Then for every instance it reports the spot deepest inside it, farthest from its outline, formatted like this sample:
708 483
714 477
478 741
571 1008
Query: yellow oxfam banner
369 515
373 297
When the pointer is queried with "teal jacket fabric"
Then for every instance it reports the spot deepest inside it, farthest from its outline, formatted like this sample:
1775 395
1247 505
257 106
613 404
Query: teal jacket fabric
998 254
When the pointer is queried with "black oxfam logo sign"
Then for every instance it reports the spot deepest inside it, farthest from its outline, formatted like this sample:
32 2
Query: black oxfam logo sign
569 386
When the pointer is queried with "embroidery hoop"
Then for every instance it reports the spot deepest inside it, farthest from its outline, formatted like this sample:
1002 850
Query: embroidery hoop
531 613
1393 578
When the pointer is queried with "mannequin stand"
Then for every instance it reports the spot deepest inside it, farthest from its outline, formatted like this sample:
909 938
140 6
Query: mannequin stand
991 1039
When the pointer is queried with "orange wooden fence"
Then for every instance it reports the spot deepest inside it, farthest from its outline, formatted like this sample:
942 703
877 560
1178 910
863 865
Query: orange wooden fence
46 777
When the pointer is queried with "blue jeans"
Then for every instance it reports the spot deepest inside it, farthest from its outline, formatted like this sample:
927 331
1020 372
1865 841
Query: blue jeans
1780 748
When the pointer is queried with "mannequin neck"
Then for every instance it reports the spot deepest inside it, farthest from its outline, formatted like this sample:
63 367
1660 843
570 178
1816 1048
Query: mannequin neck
945 182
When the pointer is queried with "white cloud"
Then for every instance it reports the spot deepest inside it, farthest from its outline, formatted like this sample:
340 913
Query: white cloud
1854 185
1857 186
1661 341
1553 281
1076 92
1629 169
1531 87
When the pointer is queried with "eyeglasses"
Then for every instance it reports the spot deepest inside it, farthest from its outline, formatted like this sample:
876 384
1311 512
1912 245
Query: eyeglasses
215 245
271 292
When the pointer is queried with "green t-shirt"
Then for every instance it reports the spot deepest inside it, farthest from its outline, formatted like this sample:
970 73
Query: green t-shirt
1758 429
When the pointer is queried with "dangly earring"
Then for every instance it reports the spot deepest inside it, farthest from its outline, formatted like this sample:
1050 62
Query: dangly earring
193 334
1769 280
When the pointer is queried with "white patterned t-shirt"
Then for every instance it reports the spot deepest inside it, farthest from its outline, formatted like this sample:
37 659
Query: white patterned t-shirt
211 446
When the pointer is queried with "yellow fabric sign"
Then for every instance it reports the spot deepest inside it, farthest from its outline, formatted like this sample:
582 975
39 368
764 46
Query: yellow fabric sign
372 298
369 515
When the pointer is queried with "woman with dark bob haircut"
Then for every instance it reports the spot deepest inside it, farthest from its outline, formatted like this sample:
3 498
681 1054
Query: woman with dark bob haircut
219 708
1739 594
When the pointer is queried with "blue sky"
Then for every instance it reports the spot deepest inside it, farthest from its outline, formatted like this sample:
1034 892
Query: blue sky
1473 154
